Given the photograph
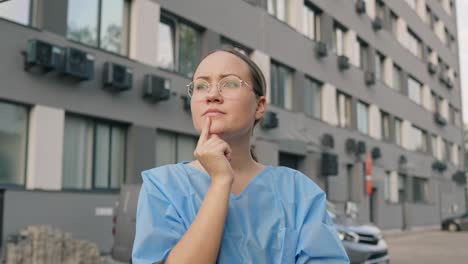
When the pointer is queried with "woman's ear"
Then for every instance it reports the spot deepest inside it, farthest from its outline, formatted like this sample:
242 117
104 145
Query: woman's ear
261 106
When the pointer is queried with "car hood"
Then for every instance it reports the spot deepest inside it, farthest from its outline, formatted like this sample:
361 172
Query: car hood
368 229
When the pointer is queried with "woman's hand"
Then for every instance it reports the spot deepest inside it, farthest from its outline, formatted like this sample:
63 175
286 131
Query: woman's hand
214 155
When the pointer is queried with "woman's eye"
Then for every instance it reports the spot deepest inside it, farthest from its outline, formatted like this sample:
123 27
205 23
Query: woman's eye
201 86
231 84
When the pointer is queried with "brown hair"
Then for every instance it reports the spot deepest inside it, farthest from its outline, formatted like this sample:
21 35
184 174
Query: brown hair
256 76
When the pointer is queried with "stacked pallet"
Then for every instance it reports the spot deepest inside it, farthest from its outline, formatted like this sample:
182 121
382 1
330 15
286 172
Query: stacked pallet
44 245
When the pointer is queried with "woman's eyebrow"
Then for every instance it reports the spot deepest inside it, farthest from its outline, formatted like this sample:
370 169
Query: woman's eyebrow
221 76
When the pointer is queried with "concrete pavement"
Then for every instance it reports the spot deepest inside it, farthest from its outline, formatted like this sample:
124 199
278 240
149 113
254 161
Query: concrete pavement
429 247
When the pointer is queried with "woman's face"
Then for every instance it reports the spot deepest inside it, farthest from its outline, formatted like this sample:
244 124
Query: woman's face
232 115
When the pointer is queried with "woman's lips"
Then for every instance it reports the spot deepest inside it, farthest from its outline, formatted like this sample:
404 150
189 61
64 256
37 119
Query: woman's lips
214 114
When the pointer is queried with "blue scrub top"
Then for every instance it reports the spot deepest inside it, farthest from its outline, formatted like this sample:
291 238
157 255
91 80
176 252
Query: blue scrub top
280 217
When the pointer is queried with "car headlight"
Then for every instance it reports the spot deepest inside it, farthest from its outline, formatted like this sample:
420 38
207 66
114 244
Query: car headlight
348 236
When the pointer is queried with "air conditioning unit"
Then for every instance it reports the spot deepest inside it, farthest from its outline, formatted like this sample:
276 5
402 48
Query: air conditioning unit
369 77
439 166
449 83
321 49
328 141
350 145
155 88
377 24
361 148
78 64
187 101
459 177
360 6
117 77
439 119
329 164
343 62
432 68
269 120
44 55
376 153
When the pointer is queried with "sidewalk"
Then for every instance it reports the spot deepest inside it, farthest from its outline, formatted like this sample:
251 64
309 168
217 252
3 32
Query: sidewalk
411 231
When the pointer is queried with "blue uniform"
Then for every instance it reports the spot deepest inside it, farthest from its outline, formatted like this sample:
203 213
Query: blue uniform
280 217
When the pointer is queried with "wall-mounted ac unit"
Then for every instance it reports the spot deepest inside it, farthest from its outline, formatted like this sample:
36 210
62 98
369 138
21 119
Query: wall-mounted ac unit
269 120
369 77
360 6
439 119
117 77
78 64
44 55
156 88
432 68
321 49
377 24
343 62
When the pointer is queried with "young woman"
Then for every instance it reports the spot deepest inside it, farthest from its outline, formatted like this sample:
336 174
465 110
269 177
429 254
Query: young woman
226 207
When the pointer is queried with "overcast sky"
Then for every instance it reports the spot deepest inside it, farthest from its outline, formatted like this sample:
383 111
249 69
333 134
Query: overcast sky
462 9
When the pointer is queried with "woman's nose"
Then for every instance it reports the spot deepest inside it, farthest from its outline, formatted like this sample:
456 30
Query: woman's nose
214 94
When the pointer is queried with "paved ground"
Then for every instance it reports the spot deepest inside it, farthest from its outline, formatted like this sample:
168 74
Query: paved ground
429 247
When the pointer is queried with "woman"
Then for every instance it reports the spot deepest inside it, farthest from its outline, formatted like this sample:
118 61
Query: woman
225 207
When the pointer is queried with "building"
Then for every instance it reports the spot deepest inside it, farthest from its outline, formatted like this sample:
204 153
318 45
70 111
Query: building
85 104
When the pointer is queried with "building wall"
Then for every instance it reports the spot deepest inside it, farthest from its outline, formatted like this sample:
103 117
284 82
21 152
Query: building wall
297 133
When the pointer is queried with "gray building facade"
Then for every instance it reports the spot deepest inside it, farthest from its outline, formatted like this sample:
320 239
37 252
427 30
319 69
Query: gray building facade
353 79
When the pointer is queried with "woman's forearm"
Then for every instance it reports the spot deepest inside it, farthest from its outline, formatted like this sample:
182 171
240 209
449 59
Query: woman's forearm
201 242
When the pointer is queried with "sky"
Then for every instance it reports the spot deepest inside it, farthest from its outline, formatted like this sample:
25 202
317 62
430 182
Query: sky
462 17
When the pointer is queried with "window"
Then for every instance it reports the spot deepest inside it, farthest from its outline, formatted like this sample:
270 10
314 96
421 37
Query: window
391 187
363 117
313 98
18 11
100 23
419 139
414 90
344 110
398 132
401 188
179 45
451 114
457 118
93 154
279 9
13 143
339 42
447 151
281 86
311 21
385 125
434 103
411 3
414 44
394 23
289 160
380 10
225 43
397 79
420 190
379 66
173 147
362 53
434 145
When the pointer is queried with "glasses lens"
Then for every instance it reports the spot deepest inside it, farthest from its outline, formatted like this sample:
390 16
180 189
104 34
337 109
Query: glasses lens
198 87
229 85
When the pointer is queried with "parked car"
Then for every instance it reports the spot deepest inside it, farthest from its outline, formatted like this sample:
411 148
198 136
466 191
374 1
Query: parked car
456 223
363 242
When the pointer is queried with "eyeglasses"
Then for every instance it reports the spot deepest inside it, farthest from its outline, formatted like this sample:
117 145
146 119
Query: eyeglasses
227 87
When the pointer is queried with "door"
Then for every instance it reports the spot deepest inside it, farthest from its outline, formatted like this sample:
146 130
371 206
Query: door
373 204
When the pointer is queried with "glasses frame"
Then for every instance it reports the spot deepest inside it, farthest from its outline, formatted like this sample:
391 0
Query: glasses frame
242 82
